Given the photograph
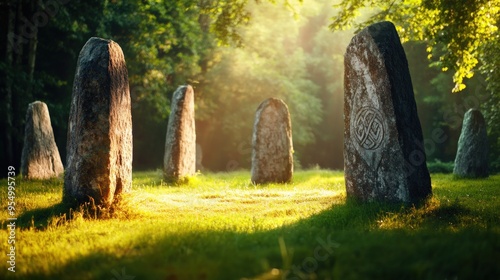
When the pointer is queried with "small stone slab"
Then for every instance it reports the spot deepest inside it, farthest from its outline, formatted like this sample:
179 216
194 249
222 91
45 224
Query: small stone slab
179 161
99 159
384 158
472 153
40 157
272 153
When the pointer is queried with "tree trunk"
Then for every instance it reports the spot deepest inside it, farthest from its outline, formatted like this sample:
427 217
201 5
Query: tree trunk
8 85
32 52
19 48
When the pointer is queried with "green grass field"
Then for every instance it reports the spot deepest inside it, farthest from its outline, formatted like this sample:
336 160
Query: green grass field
219 226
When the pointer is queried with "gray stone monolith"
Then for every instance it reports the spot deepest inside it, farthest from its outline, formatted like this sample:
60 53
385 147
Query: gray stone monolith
99 148
40 157
472 154
179 161
272 148
384 158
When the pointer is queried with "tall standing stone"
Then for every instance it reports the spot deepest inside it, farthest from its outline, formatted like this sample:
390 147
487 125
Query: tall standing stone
384 157
272 148
472 153
179 161
40 158
99 159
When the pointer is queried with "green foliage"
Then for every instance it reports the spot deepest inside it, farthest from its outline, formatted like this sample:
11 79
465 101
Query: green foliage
460 35
166 44
236 53
492 104
283 57
220 226
440 167
461 28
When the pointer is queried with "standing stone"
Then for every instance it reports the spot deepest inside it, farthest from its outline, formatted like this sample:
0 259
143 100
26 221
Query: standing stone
472 154
272 149
179 161
384 157
99 160
40 157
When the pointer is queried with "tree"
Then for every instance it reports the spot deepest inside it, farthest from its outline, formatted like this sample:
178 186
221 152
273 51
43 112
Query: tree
299 61
165 44
460 35
25 29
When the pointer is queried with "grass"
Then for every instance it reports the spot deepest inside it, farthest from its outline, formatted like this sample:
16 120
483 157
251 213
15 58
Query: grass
219 226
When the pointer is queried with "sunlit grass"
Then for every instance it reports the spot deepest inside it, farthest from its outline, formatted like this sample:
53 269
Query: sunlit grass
457 204
220 226
231 202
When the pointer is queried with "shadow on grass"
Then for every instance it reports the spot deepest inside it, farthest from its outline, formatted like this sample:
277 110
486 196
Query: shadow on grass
447 214
342 242
42 217
63 213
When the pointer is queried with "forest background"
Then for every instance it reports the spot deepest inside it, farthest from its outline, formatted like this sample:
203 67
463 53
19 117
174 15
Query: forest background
237 53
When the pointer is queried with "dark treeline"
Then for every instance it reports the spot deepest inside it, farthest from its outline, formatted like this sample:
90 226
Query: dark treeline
234 55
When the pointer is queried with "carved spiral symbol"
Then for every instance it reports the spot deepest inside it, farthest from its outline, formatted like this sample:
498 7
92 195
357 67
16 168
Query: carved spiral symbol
369 128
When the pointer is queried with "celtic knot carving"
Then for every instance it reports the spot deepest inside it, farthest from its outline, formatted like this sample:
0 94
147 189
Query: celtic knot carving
369 129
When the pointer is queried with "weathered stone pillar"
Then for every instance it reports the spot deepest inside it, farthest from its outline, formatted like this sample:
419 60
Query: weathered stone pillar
384 158
472 153
40 158
272 154
99 159
179 161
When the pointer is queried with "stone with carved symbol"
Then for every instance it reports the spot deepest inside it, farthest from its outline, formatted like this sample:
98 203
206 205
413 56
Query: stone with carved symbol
384 158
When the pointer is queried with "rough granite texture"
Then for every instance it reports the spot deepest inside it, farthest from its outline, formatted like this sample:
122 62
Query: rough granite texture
40 157
384 158
272 154
179 161
472 153
99 148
